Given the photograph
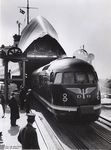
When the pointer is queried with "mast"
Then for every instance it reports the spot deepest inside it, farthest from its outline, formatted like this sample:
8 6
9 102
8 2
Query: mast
18 23
27 11
28 8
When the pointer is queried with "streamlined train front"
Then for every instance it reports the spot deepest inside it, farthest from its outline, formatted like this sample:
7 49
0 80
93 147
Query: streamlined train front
68 87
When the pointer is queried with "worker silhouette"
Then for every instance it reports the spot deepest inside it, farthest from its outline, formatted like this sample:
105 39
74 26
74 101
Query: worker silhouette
22 97
28 100
14 109
27 135
3 103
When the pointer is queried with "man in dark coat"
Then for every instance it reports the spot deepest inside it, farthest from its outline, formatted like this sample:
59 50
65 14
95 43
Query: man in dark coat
27 135
14 110
22 97
3 104
28 100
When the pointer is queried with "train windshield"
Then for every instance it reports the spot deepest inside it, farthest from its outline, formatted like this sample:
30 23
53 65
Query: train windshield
75 78
68 78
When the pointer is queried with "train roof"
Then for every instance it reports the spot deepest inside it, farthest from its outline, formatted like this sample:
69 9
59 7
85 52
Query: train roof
65 64
68 63
37 28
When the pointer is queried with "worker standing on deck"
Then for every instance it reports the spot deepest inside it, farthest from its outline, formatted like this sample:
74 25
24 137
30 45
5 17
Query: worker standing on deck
3 103
14 110
28 100
22 97
27 135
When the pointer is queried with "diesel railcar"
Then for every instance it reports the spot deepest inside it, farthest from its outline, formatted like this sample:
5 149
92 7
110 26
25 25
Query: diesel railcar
68 87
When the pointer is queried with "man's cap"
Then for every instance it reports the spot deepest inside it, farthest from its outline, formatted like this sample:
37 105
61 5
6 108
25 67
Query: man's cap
31 116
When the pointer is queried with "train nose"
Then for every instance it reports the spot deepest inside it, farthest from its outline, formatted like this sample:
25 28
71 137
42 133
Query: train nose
82 92
84 95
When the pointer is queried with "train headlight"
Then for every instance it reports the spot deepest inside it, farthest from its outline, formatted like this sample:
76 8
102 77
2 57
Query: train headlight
64 97
79 96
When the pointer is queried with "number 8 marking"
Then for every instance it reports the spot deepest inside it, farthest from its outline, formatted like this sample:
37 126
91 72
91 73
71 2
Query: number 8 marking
64 99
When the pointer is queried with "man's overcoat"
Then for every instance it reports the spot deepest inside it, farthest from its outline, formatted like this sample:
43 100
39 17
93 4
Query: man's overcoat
14 108
28 137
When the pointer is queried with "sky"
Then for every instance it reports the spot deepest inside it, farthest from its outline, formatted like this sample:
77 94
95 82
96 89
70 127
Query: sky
77 22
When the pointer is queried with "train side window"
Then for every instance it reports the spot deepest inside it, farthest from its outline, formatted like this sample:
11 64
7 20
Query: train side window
46 67
68 78
58 78
52 76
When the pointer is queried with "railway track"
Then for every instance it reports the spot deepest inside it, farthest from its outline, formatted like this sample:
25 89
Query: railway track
105 122
64 140
79 144
49 138
102 132
61 137
66 136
